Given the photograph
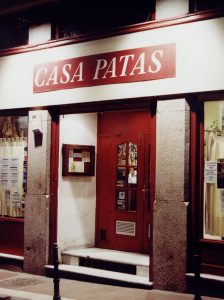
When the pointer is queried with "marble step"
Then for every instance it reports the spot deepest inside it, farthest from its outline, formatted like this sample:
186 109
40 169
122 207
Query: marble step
100 276
126 262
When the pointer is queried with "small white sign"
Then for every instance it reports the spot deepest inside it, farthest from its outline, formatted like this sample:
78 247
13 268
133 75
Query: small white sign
210 172
36 123
79 167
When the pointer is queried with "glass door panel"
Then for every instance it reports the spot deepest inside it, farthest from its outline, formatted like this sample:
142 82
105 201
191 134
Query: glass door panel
126 184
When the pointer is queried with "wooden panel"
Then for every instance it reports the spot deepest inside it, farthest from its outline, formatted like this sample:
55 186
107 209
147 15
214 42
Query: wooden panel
210 251
212 257
12 237
54 183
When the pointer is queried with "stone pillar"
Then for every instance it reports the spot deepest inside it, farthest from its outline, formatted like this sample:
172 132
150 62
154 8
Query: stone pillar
171 195
36 222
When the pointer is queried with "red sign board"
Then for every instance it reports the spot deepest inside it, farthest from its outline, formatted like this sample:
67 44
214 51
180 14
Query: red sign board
140 64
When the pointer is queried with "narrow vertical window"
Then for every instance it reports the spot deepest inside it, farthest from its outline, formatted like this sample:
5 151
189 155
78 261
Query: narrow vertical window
214 170
13 165
126 186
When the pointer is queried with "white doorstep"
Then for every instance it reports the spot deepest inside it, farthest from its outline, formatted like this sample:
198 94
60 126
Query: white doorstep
97 273
110 255
11 256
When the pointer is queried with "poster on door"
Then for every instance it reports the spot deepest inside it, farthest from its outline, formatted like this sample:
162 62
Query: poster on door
132 155
121 200
121 154
121 176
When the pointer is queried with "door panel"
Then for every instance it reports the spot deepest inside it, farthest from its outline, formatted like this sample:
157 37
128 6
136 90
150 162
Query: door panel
127 211
123 178
12 236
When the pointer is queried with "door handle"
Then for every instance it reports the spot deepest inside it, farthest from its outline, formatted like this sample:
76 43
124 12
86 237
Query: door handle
145 189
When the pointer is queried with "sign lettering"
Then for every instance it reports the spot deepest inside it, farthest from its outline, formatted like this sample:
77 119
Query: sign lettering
141 64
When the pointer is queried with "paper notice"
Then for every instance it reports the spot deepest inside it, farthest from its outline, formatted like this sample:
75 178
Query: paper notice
16 200
86 156
210 172
79 167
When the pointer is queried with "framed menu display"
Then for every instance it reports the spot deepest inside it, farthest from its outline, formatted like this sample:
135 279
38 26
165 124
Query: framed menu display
78 160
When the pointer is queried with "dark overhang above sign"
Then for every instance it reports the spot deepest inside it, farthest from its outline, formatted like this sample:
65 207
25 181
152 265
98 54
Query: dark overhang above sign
133 65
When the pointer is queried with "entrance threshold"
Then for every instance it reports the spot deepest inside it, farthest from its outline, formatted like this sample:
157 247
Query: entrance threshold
11 256
11 262
140 261
105 266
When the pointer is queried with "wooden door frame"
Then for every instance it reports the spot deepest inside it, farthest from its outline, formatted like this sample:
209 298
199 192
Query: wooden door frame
197 245
153 184
55 112
53 223
13 224
152 105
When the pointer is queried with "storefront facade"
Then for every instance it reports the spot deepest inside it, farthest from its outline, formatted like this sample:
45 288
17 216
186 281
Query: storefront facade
142 99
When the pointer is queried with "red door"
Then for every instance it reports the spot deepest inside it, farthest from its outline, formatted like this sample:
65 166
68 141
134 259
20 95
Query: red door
123 181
